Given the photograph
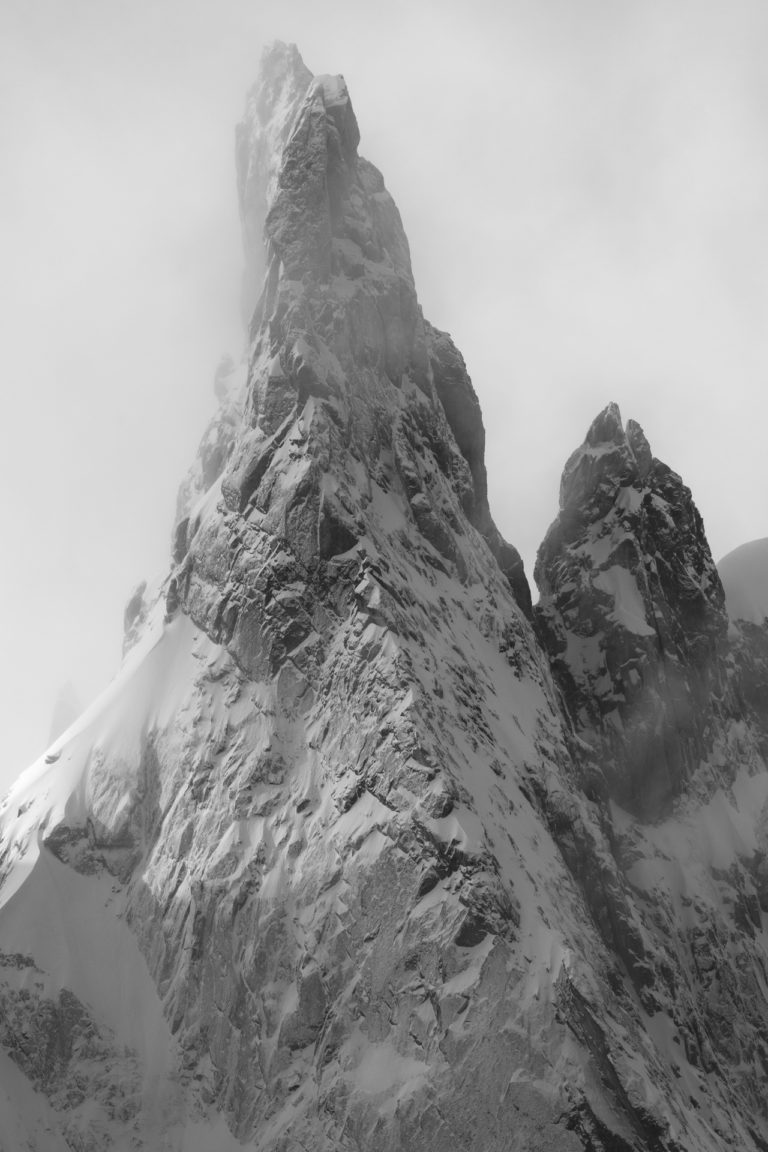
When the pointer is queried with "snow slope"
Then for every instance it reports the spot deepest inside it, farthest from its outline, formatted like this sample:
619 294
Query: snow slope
64 931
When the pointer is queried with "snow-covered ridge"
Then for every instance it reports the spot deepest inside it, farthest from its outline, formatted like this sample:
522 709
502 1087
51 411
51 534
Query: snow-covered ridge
92 775
70 967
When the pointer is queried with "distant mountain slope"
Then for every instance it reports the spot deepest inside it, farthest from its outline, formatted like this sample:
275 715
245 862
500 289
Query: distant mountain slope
744 573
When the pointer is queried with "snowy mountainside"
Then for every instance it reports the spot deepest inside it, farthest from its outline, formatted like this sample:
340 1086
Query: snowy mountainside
80 1014
358 851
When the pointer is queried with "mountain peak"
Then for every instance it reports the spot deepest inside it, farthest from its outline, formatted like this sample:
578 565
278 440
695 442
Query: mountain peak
317 169
641 449
278 58
271 107
606 427
610 456
648 620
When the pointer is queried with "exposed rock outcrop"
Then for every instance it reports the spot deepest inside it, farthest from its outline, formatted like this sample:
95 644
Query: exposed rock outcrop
668 701
633 614
270 112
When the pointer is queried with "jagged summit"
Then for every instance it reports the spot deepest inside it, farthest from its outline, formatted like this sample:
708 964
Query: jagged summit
307 213
339 342
271 107
606 426
636 650
610 455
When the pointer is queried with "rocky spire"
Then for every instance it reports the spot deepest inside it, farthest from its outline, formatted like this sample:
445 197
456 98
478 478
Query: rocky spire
606 459
270 112
632 611
339 345
343 556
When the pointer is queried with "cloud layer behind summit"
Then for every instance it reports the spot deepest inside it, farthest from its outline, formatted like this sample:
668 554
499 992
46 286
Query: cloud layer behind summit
584 190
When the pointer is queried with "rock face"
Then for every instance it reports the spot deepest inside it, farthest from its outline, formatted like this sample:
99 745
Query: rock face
668 700
633 613
744 573
271 108
355 854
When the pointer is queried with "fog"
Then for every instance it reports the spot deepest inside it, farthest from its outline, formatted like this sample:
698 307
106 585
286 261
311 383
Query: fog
584 187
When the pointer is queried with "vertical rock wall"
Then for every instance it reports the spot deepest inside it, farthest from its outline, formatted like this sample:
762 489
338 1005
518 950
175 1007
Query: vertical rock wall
632 612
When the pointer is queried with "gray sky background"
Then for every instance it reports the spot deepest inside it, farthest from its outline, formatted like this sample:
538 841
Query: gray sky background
584 184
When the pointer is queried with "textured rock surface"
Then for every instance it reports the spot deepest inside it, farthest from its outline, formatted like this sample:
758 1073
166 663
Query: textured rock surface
669 702
331 864
270 111
633 612
65 1055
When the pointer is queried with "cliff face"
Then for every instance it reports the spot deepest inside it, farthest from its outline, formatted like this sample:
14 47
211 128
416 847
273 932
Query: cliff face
633 613
348 857
667 696
271 108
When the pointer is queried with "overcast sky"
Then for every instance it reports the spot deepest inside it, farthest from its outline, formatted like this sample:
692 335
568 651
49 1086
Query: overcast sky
584 184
